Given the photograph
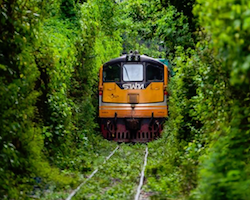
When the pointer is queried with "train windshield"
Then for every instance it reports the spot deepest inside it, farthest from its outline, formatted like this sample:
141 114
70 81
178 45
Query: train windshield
154 73
111 73
133 72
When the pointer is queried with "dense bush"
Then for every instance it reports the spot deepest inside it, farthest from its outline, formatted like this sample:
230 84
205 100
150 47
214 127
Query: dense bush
20 140
49 61
227 156
154 29
207 134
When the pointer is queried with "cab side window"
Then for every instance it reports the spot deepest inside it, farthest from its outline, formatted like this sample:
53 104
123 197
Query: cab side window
111 73
154 73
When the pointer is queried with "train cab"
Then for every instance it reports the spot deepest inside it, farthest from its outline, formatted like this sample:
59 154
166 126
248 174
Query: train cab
133 98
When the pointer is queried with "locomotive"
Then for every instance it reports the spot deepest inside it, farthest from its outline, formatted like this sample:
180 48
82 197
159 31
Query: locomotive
133 98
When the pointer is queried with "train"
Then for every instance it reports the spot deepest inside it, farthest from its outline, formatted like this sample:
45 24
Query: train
133 98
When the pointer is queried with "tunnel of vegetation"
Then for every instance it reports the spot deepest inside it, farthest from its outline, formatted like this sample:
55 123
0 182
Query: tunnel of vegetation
50 54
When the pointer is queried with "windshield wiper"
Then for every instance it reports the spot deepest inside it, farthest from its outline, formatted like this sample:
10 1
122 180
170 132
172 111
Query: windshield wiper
126 72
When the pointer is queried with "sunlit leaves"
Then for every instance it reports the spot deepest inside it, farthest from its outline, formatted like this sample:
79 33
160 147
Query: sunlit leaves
227 22
42 44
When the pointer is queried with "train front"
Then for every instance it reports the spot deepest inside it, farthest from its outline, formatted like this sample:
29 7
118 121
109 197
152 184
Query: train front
133 98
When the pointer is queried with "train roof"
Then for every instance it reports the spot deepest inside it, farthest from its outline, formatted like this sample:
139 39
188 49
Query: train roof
143 58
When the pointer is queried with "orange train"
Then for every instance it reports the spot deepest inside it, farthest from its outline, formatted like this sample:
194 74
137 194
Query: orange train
133 98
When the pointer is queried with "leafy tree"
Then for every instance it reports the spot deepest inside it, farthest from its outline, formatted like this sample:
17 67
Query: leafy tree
20 140
185 7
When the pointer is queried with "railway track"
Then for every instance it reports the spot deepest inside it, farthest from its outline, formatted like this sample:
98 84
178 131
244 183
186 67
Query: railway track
120 176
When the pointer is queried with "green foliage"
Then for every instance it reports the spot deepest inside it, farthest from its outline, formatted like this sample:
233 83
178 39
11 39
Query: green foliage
20 140
230 177
185 7
139 27
153 28
55 59
207 134
228 23
49 60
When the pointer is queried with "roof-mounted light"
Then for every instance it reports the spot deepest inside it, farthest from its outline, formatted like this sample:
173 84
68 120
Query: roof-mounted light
133 56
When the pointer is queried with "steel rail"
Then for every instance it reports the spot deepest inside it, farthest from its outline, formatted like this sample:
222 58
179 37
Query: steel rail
142 176
91 175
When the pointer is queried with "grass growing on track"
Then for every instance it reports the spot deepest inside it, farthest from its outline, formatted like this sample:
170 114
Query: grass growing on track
118 178
161 181
93 156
